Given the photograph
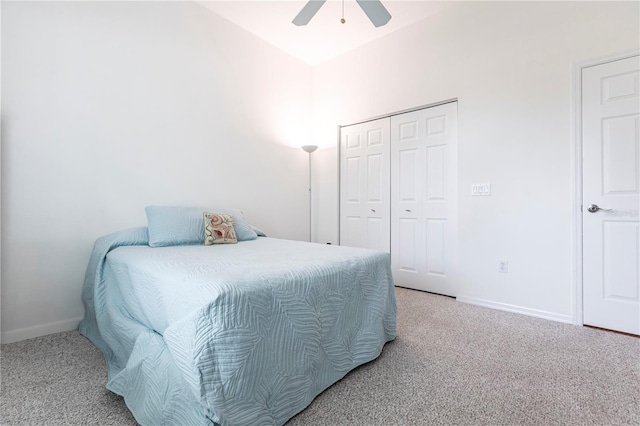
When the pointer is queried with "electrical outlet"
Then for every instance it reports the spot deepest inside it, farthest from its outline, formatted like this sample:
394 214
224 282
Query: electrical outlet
503 266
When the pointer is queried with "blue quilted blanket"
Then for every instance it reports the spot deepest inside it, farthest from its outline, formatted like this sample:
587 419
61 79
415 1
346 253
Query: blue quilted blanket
233 334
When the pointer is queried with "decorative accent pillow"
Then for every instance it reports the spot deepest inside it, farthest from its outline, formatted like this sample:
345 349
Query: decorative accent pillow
176 225
218 229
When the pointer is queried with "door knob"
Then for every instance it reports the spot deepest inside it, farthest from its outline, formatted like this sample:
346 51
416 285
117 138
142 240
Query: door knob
594 208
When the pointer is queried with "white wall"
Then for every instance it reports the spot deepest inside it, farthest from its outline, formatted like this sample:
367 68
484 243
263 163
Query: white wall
111 106
510 66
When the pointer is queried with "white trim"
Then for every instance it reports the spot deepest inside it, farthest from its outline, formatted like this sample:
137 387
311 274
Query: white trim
39 330
576 193
516 309
391 114
576 168
339 147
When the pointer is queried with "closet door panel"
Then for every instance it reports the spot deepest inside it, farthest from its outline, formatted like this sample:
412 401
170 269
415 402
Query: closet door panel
365 185
423 178
353 230
406 251
375 180
436 128
352 140
436 173
376 136
407 128
408 176
436 252
375 234
352 178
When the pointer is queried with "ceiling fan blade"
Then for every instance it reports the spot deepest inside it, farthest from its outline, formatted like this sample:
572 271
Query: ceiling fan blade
307 12
376 12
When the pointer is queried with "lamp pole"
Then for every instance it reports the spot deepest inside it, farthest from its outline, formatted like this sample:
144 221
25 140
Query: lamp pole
309 149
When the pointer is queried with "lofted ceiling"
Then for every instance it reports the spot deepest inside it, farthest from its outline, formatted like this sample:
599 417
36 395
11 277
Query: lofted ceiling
324 37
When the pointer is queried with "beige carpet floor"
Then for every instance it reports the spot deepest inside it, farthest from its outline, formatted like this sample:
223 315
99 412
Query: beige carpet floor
451 364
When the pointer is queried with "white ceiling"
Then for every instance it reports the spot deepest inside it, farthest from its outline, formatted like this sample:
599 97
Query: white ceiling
324 37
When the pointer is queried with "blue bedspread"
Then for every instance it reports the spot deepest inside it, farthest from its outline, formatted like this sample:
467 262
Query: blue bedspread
240 334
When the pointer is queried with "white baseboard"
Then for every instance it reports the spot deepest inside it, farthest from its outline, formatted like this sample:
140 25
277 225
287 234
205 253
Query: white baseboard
39 330
516 309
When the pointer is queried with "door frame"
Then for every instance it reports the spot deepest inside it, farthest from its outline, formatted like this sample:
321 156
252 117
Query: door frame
576 171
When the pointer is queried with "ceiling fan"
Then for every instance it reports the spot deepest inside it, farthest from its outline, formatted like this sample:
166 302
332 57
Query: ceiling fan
374 10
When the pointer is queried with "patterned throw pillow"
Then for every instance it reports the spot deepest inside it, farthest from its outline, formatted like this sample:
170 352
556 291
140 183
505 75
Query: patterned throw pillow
218 229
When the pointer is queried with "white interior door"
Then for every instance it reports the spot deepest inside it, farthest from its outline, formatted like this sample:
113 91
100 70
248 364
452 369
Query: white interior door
611 181
423 198
364 185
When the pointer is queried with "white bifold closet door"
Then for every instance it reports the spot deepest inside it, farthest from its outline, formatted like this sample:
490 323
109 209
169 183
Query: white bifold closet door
424 198
365 219
398 193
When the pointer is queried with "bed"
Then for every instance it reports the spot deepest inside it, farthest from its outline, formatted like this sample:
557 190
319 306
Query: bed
232 334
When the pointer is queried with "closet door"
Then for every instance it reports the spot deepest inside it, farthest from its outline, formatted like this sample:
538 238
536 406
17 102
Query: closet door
423 206
365 218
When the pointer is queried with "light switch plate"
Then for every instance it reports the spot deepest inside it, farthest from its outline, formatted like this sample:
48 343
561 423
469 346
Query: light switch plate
481 189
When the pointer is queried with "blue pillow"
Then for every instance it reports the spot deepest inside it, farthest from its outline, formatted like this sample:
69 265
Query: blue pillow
176 226
259 232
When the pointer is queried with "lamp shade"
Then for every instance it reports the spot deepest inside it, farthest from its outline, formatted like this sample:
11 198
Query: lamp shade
309 148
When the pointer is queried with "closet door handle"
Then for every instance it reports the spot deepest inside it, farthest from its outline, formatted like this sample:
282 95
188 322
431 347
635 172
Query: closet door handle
407 210
373 210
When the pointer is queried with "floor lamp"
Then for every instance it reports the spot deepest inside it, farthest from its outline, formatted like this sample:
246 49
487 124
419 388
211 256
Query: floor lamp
309 149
